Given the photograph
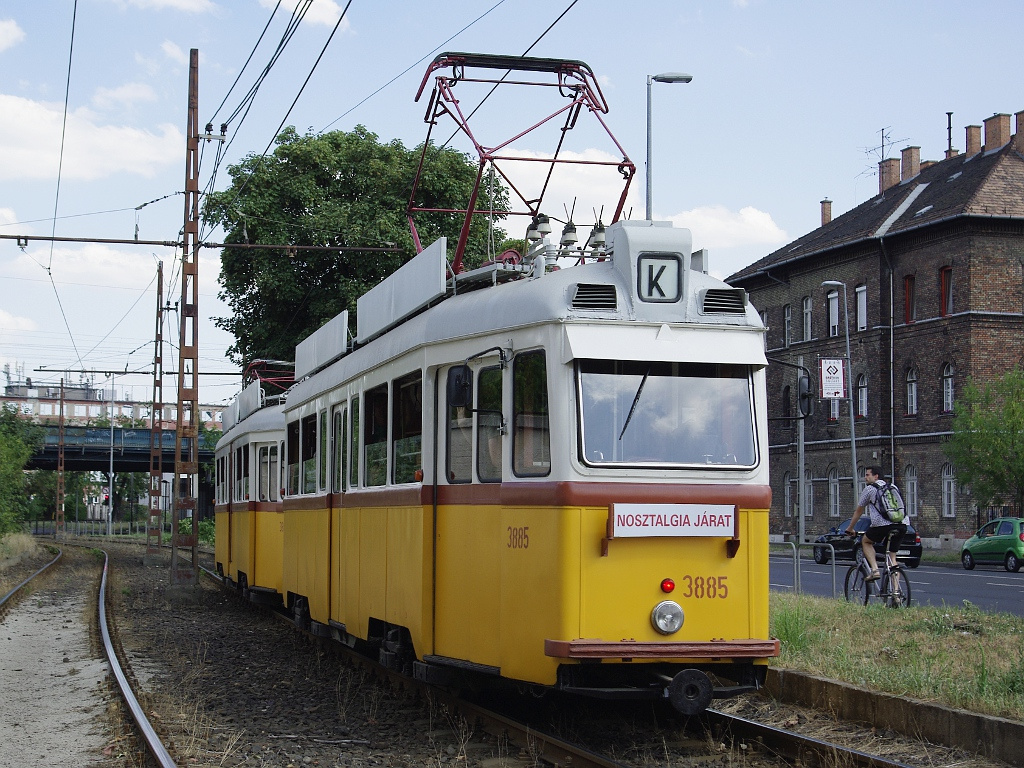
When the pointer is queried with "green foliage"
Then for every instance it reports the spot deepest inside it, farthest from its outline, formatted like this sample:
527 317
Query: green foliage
18 440
332 189
987 447
207 530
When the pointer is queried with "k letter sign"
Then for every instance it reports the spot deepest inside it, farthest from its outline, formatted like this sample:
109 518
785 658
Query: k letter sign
659 277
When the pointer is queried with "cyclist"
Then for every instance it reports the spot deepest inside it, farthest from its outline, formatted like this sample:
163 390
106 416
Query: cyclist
880 526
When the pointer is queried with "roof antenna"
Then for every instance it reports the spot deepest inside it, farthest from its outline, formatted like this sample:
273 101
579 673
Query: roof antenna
949 134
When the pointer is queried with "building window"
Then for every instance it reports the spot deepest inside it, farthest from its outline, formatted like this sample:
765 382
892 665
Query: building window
910 490
833 409
909 299
862 396
862 307
911 392
833 313
807 318
946 286
787 495
947 388
948 491
808 494
833 492
787 325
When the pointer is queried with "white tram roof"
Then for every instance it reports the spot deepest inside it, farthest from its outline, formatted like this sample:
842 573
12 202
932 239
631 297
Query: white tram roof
269 419
645 302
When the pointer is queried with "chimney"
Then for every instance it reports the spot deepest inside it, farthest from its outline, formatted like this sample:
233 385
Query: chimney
997 131
888 174
910 163
973 140
928 163
952 153
1018 137
826 211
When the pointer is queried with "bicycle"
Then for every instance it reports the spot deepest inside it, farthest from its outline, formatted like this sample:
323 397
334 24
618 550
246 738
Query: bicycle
892 588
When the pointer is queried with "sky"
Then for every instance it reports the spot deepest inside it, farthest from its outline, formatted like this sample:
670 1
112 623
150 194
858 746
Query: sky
790 103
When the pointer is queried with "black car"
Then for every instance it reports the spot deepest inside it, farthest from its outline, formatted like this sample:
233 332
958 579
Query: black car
910 547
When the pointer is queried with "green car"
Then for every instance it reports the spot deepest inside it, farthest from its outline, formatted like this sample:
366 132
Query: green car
1000 541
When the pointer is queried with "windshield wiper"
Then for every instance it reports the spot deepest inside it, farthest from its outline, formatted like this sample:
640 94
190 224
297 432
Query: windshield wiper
636 399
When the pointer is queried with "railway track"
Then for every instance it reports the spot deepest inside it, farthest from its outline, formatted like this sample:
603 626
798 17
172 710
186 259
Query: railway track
322 710
155 747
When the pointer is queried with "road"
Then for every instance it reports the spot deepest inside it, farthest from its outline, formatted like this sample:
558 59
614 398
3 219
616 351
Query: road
988 587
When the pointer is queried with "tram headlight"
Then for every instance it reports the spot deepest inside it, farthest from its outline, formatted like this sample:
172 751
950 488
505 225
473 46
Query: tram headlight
667 617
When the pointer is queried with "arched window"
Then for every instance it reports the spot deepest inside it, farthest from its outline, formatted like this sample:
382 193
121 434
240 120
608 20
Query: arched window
911 392
910 489
808 494
862 396
947 388
948 491
833 492
807 318
787 495
787 325
861 293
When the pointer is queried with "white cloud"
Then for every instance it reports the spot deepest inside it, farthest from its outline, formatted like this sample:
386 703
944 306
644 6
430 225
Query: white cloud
124 95
7 216
716 226
324 12
9 322
10 34
30 134
174 52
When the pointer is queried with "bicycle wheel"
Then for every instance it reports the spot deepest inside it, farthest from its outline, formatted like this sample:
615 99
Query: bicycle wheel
899 589
855 589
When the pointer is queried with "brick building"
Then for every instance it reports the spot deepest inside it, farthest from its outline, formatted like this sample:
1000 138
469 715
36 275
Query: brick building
933 269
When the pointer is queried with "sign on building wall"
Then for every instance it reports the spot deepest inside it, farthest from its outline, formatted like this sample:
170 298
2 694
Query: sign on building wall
832 375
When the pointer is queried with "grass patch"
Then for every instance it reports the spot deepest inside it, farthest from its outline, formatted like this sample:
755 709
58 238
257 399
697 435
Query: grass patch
15 546
961 655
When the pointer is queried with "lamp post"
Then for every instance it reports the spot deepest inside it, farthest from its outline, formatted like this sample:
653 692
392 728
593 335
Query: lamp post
849 383
664 77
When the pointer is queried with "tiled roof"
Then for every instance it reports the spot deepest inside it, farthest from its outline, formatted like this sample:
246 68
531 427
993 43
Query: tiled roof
987 184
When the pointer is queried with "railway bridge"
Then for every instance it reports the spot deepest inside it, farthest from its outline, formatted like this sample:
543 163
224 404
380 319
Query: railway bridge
91 448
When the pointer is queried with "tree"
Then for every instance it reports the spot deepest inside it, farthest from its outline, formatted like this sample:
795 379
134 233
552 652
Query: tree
987 447
333 189
19 438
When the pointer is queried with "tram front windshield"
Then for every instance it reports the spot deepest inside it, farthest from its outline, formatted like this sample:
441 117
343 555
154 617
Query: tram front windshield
656 413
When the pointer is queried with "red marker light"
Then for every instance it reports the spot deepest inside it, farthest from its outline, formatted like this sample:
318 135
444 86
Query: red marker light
667 585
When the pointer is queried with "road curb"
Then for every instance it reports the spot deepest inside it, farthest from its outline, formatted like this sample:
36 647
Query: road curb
995 737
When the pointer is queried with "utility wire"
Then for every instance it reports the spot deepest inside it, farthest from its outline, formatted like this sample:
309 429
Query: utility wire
242 70
404 71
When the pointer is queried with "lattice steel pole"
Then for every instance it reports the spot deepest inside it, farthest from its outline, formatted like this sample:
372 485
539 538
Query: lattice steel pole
154 527
186 434
58 516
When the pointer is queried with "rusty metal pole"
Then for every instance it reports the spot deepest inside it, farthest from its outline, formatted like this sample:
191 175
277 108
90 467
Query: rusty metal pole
58 530
186 434
154 526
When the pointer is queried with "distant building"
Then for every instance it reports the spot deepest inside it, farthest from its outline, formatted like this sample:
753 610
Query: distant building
934 273
83 404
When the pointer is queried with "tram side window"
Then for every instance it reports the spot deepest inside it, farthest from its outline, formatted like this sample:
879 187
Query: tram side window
459 447
375 437
268 473
309 454
242 473
353 467
531 449
293 457
339 439
324 452
488 424
407 429
221 481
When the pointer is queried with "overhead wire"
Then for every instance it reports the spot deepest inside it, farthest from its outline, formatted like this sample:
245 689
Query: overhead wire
60 166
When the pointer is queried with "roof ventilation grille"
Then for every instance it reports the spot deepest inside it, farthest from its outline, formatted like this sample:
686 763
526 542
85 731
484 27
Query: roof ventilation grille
594 296
724 301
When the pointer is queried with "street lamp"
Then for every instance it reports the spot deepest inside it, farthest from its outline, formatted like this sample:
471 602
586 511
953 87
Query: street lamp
664 77
849 382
